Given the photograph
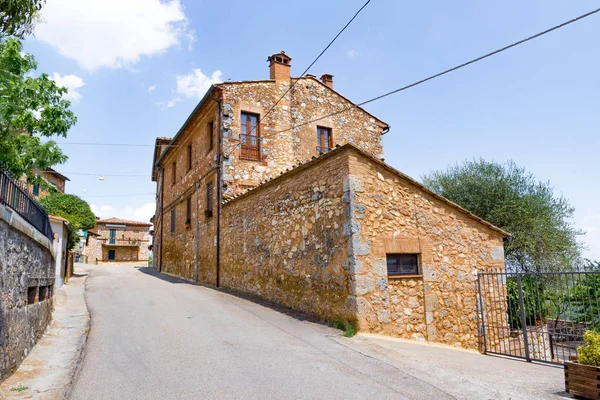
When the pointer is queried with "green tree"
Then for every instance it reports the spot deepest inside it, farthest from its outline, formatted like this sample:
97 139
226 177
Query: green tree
18 17
31 109
73 209
543 237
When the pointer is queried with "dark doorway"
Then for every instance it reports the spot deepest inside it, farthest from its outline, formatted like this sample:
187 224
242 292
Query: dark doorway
111 254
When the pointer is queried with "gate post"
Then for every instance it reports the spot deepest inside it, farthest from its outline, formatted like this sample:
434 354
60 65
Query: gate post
481 311
523 317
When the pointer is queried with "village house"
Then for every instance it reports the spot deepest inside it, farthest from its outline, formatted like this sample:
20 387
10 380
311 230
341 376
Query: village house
118 241
53 177
293 203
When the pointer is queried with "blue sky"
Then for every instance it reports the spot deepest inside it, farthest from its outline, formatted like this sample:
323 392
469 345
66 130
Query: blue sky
136 69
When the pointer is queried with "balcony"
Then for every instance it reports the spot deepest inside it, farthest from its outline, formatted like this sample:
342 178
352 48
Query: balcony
121 242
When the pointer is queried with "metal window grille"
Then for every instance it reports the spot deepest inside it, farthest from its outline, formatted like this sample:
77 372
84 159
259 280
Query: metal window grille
13 195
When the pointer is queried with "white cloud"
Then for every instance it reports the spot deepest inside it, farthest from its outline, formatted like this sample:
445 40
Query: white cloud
352 53
195 84
143 213
72 83
152 88
112 33
589 221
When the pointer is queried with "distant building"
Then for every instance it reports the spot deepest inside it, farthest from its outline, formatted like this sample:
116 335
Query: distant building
118 241
53 177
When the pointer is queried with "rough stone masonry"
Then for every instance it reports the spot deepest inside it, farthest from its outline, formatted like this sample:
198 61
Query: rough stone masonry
313 228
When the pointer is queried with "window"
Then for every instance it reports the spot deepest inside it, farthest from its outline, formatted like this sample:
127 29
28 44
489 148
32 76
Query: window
173 220
174 173
189 157
36 189
188 210
249 137
113 237
32 294
402 264
43 293
211 130
209 198
324 140
111 255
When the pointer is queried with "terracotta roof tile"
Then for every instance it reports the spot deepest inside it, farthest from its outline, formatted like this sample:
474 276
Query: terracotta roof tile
123 222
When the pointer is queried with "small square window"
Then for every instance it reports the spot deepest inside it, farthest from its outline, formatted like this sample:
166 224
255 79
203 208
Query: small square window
402 264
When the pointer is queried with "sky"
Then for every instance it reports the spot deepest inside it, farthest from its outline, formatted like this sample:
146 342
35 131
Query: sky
135 69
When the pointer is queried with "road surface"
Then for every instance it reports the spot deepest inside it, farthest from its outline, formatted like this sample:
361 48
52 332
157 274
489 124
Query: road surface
157 337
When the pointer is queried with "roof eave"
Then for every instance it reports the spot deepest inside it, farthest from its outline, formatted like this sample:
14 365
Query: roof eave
187 121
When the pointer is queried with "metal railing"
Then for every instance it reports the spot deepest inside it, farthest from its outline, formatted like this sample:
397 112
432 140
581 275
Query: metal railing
538 316
121 242
15 196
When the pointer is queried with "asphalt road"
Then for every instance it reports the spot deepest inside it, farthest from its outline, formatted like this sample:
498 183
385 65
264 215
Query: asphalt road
156 337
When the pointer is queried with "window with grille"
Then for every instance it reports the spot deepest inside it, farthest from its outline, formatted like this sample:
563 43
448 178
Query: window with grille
324 142
209 197
250 137
402 264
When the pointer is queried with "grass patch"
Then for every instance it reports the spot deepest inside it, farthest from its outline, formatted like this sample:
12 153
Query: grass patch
348 328
19 388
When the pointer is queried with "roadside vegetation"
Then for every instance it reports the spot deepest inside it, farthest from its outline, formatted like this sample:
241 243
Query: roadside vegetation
348 328
73 209
33 110
540 222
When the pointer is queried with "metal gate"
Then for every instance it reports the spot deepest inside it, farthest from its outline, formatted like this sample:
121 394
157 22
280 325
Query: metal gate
537 316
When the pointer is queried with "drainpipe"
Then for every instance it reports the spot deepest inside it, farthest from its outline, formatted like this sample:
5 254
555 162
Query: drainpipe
219 187
162 192
197 228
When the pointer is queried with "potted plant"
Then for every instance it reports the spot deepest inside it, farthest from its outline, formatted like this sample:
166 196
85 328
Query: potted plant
208 213
582 378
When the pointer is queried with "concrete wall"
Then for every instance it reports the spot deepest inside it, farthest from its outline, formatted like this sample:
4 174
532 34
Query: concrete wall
26 264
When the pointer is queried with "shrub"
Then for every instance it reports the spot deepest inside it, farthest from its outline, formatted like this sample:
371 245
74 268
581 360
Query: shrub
347 327
590 353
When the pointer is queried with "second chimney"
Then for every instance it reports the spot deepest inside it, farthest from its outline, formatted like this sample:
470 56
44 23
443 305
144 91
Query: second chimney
327 79
279 66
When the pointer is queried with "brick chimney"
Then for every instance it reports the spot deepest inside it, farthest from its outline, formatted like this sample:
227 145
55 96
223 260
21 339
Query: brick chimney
327 79
279 66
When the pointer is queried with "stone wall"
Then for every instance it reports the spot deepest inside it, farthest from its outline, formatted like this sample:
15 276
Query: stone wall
282 149
26 272
393 214
285 241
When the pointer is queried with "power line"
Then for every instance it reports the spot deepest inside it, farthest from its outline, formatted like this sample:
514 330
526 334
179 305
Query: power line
108 144
309 67
110 175
119 195
500 50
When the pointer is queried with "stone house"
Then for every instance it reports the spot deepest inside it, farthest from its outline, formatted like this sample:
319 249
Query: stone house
118 241
51 176
309 216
